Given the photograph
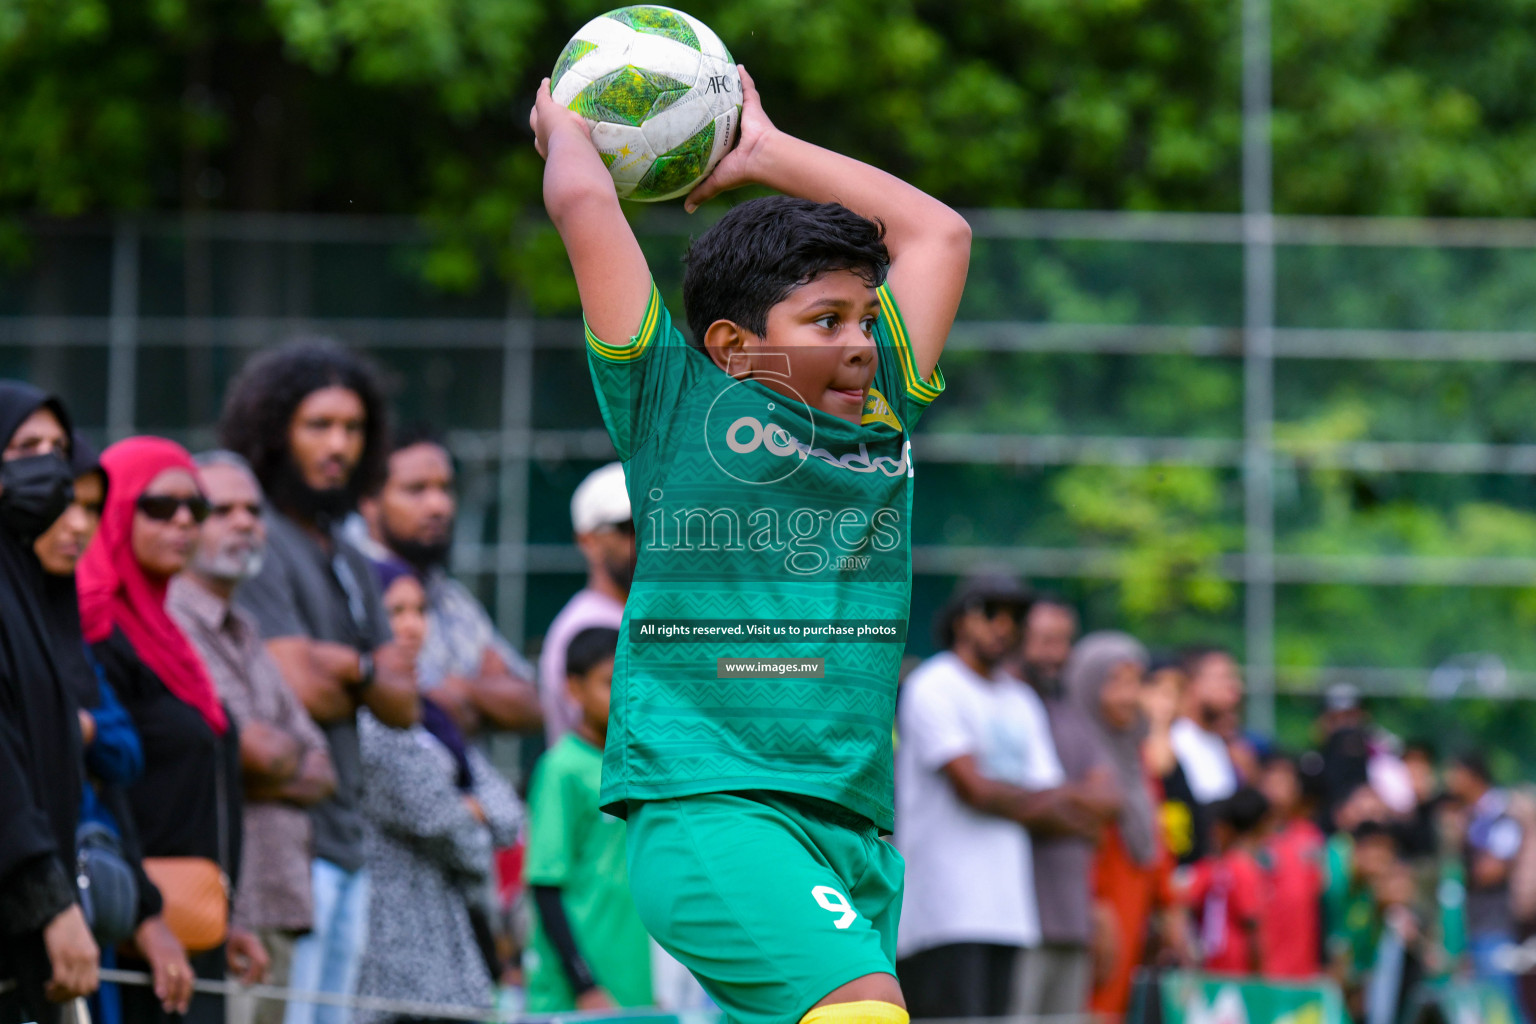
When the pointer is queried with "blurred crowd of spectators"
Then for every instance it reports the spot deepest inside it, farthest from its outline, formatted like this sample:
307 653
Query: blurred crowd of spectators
242 711
1077 814
243 704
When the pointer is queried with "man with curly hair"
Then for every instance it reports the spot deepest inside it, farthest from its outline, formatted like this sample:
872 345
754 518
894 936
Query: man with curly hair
311 420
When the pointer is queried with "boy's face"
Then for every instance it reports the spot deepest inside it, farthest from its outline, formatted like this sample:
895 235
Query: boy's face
591 692
826 329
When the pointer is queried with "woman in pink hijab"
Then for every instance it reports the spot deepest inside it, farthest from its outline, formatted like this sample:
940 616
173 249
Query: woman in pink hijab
188 802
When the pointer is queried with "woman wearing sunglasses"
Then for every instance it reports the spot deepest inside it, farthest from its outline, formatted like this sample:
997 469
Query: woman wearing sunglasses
187 804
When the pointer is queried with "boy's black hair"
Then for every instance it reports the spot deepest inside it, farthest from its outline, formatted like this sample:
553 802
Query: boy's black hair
1244 810
754 256
1424 747
590 648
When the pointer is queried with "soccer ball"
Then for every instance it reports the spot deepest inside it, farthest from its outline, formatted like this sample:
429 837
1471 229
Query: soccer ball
661 93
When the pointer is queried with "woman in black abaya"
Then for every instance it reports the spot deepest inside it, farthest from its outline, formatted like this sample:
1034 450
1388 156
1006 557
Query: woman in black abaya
47 955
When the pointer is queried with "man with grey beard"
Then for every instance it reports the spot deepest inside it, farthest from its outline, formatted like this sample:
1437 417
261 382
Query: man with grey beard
284 756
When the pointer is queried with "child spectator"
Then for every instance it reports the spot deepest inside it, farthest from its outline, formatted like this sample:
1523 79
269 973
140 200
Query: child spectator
1351 910
1398 965
1228 889
405 604
1292 933
589 949
436 810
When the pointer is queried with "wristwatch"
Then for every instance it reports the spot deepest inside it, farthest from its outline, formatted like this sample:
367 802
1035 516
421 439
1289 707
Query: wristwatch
364 672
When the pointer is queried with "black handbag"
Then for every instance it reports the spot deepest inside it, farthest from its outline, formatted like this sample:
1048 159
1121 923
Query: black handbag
109 892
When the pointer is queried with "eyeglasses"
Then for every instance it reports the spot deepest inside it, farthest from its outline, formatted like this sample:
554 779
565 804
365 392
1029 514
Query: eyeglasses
163 507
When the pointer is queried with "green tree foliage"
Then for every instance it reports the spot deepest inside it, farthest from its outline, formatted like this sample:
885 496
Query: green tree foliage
416 106
1423 107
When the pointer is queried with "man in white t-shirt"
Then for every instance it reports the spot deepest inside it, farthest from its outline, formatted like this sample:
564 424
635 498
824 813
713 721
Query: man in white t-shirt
975 762
1213 695
600 519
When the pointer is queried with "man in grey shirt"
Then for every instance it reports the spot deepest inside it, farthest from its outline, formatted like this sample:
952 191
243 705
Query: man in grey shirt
1055 978
310 419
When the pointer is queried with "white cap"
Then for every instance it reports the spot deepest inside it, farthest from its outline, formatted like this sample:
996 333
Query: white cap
601 500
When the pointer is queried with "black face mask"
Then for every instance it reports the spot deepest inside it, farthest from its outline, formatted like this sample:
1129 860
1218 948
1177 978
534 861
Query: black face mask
34 491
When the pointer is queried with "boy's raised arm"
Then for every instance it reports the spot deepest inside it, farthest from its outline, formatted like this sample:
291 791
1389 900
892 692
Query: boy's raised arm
611 272
930 244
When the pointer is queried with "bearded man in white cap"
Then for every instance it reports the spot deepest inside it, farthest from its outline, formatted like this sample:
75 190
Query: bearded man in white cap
605 533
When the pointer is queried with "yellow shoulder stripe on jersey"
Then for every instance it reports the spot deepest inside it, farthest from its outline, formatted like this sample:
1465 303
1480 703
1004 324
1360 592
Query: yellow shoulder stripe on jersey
918 389
637 346
878 410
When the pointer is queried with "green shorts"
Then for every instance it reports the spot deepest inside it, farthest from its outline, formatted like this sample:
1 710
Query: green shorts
771 900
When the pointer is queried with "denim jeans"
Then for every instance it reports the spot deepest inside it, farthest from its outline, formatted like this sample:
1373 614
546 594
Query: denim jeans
326 959
1482 949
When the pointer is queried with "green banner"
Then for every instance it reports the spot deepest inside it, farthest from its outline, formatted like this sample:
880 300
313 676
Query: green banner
1465 1002
1193 998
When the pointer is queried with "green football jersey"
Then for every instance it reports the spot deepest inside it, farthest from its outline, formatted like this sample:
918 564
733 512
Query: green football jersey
765 530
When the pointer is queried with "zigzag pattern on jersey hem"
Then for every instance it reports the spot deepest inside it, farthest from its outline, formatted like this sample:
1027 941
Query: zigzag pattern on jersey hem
697 756
875 808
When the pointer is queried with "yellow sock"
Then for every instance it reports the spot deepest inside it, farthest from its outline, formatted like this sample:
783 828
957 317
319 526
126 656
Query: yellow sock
867 1011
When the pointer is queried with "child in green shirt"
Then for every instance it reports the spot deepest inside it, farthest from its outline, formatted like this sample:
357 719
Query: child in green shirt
589 949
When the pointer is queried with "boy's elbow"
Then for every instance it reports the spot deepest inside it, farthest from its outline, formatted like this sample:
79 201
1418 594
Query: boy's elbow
956 234
958 228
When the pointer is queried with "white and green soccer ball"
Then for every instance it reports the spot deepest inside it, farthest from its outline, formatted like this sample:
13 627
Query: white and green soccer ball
661 93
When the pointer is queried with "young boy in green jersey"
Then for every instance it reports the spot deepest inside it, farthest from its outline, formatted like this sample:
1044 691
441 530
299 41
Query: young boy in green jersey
590 950
769 470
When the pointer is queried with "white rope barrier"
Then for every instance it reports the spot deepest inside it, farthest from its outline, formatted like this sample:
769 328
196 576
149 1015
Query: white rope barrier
488 1015
396 1007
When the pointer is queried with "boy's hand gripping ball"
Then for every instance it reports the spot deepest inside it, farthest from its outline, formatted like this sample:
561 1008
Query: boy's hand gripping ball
661 93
